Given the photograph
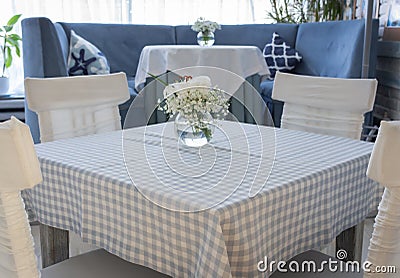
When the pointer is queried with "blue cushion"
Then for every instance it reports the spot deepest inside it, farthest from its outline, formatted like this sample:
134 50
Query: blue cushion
266 92
275 107
85 58
280 56
343 40
124 107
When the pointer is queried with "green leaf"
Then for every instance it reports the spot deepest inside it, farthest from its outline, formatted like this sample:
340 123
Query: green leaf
15 37
18 51
7 28
12 41
13 20
8 60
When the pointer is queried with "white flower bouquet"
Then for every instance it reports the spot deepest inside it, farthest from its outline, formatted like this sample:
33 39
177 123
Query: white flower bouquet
192 98
205 26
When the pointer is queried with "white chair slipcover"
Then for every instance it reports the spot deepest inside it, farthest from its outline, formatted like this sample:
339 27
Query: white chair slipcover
19 169
324 105
76 106
384 247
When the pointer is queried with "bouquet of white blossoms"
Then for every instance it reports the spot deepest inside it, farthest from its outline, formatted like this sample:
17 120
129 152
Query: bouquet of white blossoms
193 98
205 26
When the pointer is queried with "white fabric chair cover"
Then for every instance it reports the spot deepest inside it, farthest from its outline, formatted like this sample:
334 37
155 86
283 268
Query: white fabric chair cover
76 106
331 106
384 248
19 169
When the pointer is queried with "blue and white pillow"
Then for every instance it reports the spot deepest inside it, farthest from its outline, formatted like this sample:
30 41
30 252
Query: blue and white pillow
85 58
280 56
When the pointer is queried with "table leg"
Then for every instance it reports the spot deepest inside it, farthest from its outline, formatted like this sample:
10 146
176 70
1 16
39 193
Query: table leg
351 240
54 245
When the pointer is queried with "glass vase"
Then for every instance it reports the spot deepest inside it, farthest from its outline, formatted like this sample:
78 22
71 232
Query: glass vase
194 134
205 38
4 85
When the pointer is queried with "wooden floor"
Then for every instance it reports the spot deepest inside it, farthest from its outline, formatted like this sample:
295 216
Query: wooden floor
76 245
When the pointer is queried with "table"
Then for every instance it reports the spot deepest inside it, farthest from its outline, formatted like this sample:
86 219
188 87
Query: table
315 187
12 105
227 66
241 60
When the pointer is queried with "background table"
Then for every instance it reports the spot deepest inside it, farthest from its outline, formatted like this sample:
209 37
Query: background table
227 66
241 60
316 189
12 105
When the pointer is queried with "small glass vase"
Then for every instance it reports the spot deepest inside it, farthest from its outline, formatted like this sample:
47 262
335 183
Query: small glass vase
194 134
205 38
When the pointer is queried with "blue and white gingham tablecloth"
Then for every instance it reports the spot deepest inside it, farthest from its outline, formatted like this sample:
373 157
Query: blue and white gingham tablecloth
161 214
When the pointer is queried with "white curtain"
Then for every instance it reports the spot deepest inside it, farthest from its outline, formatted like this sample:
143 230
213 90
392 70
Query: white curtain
176 12
169 12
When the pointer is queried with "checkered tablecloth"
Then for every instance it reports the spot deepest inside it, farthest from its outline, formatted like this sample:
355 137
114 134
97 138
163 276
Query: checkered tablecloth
214 212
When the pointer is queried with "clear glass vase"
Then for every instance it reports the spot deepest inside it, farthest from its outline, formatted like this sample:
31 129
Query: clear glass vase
205 38
194 134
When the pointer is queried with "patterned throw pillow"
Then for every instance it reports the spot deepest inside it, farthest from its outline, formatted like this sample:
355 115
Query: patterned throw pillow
84 58
280 56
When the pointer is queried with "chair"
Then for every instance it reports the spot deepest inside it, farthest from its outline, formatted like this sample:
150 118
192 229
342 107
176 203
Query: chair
331 106
76 106
323 105
19 169
384 247
70 107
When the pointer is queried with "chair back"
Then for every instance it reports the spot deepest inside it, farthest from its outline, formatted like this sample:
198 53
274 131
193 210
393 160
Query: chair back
324 105
76 106
384 247
19 169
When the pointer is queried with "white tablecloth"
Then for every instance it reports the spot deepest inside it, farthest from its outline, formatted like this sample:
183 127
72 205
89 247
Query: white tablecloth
316 189
243 61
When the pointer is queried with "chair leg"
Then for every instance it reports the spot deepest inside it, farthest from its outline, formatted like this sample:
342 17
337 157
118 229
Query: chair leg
351 240
54 245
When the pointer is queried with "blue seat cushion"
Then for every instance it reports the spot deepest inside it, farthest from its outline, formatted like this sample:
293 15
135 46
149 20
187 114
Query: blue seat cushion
275 107
124 107
266 93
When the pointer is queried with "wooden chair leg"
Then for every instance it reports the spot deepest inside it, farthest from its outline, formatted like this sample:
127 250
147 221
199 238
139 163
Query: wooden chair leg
351 240
54 245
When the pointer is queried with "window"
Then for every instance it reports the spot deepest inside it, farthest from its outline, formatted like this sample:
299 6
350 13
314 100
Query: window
169 12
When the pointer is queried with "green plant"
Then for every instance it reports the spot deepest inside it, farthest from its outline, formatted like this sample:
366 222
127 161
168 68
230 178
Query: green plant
8 42
287 11
299 11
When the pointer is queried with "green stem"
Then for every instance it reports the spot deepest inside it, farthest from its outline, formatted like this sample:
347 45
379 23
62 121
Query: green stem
158 79
3 48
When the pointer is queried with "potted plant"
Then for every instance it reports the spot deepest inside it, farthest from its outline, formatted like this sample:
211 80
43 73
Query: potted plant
300 11
8 42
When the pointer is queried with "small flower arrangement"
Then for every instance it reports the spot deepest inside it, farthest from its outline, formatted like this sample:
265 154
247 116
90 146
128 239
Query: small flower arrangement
205 26
192 98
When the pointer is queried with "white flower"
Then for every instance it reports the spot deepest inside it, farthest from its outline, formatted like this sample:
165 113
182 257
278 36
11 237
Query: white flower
193 97
200 82
205 26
